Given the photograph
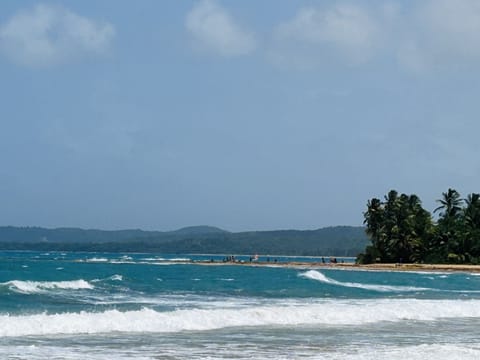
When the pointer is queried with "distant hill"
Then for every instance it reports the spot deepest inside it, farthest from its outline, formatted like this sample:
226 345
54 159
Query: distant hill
336 241
197 230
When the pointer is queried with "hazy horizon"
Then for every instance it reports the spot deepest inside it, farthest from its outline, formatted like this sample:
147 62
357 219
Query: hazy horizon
173 230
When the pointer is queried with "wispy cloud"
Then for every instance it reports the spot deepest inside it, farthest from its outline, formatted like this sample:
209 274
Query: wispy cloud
215 30
442 33
315 35
425 35
47 35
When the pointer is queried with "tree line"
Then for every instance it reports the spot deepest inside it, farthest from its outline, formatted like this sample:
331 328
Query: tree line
330 241
401 230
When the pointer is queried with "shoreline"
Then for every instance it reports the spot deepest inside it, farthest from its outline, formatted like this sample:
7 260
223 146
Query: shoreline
352 266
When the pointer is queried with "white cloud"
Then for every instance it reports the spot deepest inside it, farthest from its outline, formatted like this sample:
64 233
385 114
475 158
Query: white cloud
315 35
48 35
215 30
422 36
442 33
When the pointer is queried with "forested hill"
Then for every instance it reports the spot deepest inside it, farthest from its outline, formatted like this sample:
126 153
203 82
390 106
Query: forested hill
336 241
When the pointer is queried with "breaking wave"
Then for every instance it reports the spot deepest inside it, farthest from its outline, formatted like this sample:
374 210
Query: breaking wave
31 287
315 275
325 313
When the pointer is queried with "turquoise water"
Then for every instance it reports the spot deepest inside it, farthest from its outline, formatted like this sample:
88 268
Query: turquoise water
144 306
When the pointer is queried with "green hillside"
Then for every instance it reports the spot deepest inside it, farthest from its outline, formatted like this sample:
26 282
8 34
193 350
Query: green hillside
336 241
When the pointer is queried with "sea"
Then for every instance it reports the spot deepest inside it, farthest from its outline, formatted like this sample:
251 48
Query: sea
62 305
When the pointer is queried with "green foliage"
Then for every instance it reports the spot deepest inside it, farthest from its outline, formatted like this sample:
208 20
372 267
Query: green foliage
335 241
400 230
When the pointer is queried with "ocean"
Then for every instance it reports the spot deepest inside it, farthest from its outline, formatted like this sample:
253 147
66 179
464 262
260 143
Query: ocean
150 306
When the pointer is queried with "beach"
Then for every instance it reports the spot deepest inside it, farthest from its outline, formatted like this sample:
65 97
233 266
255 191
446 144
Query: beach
353 266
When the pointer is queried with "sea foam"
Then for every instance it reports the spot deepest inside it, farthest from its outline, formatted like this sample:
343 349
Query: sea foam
419 352
215 351
324 313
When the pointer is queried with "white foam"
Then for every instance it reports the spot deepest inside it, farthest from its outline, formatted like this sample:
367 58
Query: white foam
216 351
94 259
179 259
30 287
318 276
324 313
82 352
416 352
115 277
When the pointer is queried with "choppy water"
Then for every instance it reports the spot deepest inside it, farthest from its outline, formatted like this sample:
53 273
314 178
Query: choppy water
144 306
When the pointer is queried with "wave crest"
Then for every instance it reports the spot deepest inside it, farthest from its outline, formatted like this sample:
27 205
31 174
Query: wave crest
325 313
30 287
318 276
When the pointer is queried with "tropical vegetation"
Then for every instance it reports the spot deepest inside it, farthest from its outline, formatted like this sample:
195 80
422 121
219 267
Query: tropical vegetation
401 230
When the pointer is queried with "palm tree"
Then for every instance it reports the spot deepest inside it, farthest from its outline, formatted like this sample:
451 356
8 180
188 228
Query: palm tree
373 219
449 221
450 204
421 228
392 206
472 211
471 233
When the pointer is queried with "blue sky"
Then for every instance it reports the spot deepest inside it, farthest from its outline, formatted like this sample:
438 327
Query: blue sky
247 115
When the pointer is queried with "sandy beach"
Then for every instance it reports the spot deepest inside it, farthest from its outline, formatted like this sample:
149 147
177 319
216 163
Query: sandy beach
351 266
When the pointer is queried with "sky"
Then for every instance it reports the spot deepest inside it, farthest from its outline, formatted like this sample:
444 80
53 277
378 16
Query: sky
246 115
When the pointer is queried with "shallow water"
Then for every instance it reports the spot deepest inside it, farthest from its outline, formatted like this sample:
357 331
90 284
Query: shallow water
144 306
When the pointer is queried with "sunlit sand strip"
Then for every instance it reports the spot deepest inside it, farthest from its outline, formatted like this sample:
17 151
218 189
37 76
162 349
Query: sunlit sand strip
351 266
